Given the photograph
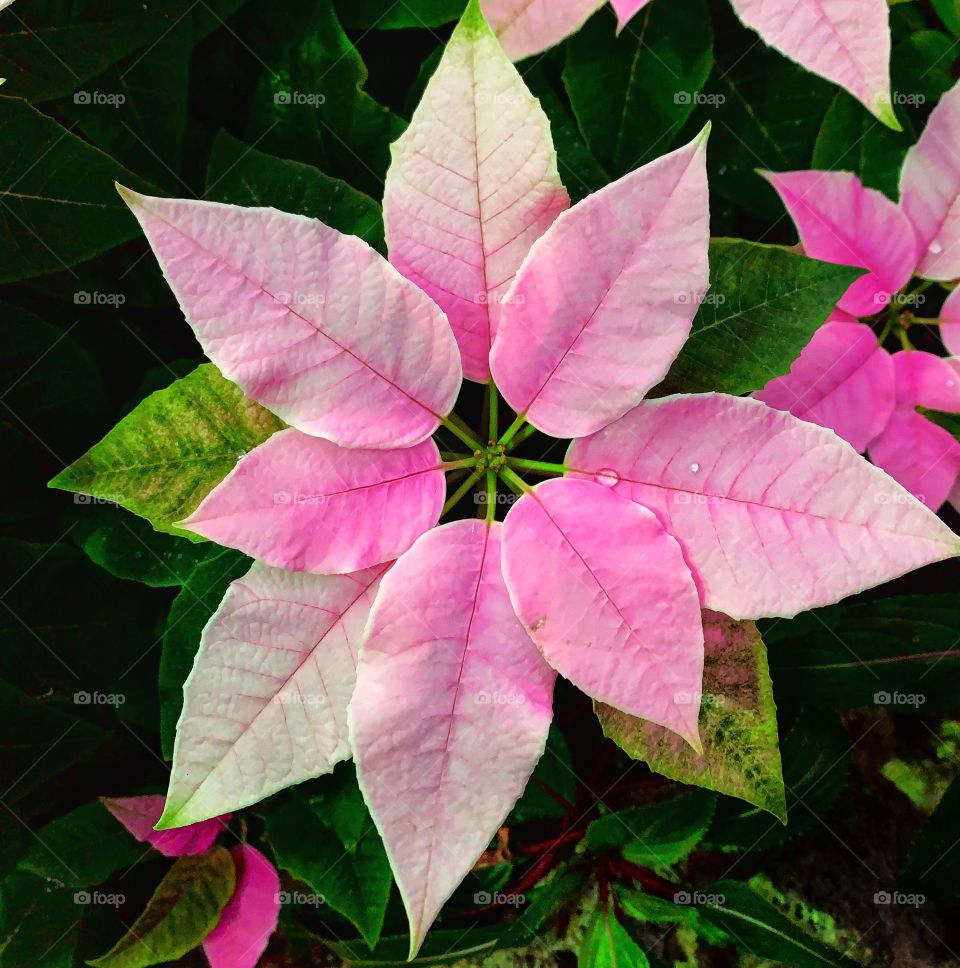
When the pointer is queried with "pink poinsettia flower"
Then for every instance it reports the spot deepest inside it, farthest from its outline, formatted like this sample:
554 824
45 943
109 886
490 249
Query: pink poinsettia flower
250 916
429 653
845 41
843 379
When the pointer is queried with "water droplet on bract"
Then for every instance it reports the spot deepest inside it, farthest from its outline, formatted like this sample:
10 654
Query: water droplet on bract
607 477
694 468
935 247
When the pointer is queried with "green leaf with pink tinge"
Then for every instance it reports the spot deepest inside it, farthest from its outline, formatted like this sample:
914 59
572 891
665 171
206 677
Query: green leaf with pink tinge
738 723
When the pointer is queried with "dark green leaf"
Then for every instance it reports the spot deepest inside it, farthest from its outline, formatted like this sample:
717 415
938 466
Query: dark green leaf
311 105
634 92
933 863
241 175
949 13
580 171
766 112
763 307
355 883
41 923
199 598
162 459
59 206
656 834
182 912
901 653
82 848
141 124
53 396
760 930
851 140
738 723
388 14
127 547
69 630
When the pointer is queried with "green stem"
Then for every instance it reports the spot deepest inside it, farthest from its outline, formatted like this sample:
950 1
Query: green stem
494 406
460 492
452 455
924 321
904 339
524 434
452 465
538 466
451 423
491 496
512 429
516 484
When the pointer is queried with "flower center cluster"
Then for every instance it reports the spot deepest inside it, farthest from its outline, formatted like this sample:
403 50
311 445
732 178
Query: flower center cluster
492 458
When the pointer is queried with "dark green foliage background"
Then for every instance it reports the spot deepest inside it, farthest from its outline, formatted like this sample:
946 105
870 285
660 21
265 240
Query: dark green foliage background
95 602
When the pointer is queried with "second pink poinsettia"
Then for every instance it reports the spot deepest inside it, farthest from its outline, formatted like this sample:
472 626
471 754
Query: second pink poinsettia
844 379
429 653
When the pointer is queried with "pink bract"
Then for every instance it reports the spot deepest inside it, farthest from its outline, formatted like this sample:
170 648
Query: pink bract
841 221
439 668
843 380
141 814
250 916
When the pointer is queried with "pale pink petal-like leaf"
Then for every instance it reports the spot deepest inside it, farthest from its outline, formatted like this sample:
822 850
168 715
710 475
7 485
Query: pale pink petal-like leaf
950 322
527 27
918 454
775 515
141 814
313 324
450 712
606 296
265 705
473 183
305 504
842 380
250 916
845 41
607 597
927 380
930 190
840 221
627 10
